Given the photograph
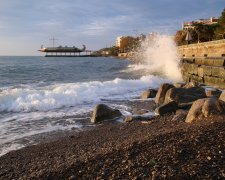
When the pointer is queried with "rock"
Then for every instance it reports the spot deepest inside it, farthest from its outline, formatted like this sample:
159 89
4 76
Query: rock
213 92
139 111
191 84
212 106
72 177
180 115
103 112
204 108
160 96
185 95
195 112
222 96
150 93
166 108
185 106
178 85
138 118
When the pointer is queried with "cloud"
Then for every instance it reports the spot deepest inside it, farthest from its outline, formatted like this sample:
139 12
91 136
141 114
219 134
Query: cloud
93 22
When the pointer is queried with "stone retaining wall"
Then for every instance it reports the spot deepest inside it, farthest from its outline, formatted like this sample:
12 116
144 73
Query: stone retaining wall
204 63
209 49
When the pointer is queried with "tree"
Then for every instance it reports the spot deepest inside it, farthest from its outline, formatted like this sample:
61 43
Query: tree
203 32
180 37
220 30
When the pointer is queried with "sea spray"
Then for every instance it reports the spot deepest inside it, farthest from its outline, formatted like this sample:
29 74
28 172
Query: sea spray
160 56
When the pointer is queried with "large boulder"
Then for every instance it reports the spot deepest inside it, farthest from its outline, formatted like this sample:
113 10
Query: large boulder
180 115
204 108
160 96
222 96
103 112
150 93
166 108
185 95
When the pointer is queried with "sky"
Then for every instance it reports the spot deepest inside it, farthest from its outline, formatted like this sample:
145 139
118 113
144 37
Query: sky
25 25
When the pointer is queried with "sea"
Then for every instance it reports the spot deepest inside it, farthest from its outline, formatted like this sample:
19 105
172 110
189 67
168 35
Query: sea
41 95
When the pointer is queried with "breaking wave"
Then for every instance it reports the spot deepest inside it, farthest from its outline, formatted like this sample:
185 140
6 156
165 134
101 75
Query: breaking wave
158 53
28 99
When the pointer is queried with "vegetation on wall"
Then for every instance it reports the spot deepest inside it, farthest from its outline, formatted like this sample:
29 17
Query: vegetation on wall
203 32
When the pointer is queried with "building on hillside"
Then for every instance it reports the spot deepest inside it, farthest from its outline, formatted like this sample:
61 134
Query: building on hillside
125 43
190 25
118 41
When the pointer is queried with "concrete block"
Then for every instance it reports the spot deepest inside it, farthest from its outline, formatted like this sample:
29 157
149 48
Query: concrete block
199 61
196 79
218 72
200 72
188 60
207 70
215 81
208 62
219 62
193 69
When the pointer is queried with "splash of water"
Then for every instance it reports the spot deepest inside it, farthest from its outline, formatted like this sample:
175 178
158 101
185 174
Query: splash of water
159 54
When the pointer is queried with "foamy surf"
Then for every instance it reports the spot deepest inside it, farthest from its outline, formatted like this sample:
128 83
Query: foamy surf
32 110
72 94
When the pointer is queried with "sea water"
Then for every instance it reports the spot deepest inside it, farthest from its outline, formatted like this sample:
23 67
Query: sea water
39 95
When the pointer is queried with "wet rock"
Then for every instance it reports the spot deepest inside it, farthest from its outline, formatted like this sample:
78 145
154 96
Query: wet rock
185 95
143 117
180 115
166 108
213 92
140 111
150 93
222 96
103 112
160 96
204 108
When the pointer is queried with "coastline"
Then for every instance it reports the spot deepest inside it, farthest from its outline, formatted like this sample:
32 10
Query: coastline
159 148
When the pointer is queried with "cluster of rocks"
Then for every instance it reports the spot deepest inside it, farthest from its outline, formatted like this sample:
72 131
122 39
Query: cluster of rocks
190 102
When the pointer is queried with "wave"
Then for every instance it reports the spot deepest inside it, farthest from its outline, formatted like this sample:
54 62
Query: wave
28 99
159 54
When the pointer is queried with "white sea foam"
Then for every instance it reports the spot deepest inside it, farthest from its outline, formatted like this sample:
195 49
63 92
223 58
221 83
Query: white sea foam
72 94
159 54
32 110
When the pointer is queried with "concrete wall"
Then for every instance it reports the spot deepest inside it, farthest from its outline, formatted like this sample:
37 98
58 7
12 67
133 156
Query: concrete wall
204 63
210 49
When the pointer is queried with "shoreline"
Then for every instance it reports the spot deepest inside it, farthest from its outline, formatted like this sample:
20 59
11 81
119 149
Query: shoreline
132 105
160 148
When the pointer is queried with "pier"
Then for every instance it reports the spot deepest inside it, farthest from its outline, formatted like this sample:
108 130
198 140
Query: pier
61 51
87 53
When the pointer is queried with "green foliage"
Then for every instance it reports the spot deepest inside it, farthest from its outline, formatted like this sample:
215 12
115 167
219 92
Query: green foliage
203 32
220 30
